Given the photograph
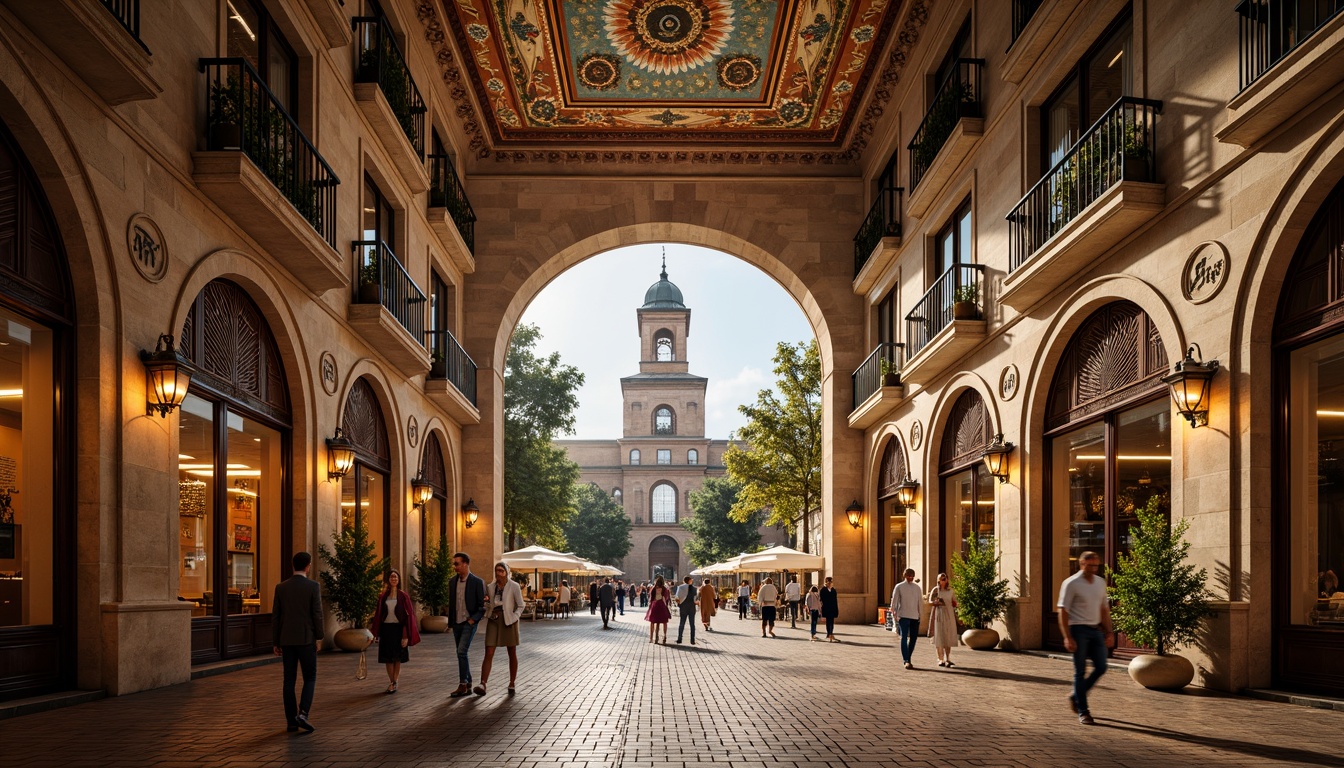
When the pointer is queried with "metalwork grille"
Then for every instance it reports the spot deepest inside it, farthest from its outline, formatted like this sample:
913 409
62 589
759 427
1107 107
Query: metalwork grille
967 433
893 471
1114 356
228 339
362 422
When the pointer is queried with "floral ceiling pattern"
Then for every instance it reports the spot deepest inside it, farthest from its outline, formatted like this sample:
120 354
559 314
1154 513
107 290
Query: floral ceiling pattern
787 72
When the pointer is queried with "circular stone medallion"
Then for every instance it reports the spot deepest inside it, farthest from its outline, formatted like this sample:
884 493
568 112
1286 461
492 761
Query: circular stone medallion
328 371
413 431
1008 383
916 436
149 252
1205 271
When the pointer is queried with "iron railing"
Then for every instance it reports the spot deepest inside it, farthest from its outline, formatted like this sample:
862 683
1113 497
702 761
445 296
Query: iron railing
127 13
450 361
1272 29
446 191
381 62
380 279
1023 10
1118 147
957 294
241 113
959 96
883 220
867 378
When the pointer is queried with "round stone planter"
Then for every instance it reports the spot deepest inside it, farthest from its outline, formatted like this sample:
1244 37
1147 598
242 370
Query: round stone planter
353 639
1161 673
980 639
434 624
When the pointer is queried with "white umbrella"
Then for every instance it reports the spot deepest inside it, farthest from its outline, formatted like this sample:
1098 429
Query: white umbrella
780 559
535 558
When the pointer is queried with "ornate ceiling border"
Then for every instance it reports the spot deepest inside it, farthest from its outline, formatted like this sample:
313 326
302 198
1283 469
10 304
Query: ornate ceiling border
916 16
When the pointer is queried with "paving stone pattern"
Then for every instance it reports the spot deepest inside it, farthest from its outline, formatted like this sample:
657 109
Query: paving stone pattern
588 697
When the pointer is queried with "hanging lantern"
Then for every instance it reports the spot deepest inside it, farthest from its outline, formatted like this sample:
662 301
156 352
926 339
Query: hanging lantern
168 375
996 457
1190 382
340 455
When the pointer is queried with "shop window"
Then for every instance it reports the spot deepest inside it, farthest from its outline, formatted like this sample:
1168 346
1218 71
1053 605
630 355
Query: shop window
434 522
664 504
967 487
892 541
365 491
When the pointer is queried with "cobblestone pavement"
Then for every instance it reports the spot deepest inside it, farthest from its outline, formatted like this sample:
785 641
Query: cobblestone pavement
592 698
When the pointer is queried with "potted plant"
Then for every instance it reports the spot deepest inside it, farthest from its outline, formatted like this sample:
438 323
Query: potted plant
351 581
1160 600
438 367
226 114
890 376
430 584
982 597
964 306
370 277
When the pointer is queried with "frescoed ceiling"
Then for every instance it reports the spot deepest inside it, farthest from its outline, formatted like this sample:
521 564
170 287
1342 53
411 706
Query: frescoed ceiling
588 74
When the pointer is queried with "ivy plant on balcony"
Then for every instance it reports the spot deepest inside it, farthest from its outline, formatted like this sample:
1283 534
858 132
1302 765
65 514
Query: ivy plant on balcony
947 110
394 81
1095 166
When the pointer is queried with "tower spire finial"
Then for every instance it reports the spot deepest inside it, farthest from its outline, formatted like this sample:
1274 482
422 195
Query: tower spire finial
663 274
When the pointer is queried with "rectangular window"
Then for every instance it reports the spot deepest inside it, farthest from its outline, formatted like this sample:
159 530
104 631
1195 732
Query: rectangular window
363 498
952 244
1316 485
1101 77
251 34
886 318
195 503
379 216
664 456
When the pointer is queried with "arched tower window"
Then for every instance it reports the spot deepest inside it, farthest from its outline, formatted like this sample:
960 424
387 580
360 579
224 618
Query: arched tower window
664 501
692 456
663 351
634 457
663 422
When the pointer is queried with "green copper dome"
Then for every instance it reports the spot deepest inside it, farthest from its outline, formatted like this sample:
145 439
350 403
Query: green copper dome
663 294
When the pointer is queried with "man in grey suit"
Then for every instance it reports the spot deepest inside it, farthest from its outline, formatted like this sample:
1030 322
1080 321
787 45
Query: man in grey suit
296 624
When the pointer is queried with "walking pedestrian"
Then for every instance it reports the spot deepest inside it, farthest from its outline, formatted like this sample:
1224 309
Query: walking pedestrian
466 608
592 598
793 595
708 603
394 628
1085 620
620 596
943 620
659 613
813 605
830 609
646 588
296 625
505 602
687 596
743 600
766 597
905 604
606 596
562 600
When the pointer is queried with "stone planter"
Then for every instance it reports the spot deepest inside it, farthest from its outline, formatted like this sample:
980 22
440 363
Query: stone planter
892 379
353 639
965 310
368 293
980 639
1161 673
434 624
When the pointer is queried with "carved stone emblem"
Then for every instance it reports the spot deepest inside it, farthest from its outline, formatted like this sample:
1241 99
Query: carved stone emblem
146 245
328 373
1009 380
916 435
1205 272
413 431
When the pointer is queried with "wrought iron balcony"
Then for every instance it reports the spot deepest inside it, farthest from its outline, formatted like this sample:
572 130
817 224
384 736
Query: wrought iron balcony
957 294
883 220
1271 29
241 113
380 279
869 377
381 62
958 97
1118 147
446 191
127 13
1023 10
448 360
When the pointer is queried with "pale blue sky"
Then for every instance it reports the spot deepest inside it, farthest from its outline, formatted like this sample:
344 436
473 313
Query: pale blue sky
738 315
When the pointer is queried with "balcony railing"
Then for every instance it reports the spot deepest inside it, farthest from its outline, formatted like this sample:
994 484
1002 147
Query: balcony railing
241 113
957 294
380 279
1023 10
884 220
1271 29
868 377
127 13
1118 147
381 62
958 97
446 191
450 361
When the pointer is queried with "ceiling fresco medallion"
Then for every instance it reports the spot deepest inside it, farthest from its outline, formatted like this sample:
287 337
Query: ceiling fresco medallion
549 71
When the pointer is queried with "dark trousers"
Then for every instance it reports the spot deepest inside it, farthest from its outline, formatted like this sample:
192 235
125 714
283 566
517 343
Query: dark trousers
815 616
608 613
592 605
830 626
1091 644
743 605
462 636
909 629
292 658
686 618
620 604
644 600
793 613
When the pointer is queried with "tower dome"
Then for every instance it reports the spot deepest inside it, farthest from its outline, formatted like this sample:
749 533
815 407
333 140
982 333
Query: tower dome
663 294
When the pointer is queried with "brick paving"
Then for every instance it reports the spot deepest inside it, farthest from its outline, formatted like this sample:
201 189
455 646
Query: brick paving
592 698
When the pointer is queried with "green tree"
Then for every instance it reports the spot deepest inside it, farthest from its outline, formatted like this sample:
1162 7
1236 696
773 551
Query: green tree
982 597
600 529
354 574
715 535
780 469
539 404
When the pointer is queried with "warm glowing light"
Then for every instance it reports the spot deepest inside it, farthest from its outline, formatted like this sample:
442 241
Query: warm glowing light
184 457
1318 413
1121 457
11 393
230 473
211 466
233 14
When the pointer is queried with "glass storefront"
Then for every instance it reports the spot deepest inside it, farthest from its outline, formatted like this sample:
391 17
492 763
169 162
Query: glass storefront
895 556
364 499
970 494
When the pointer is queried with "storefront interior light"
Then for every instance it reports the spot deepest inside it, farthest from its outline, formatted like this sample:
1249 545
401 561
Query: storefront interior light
470 512
905 492
169 376
1190 382
855 513
421 490
996 457
340 455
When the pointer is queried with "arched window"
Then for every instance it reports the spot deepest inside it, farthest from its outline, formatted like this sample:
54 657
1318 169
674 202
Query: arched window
663 423
664 500
663 350
664 555
634 457
692 456
891 532
434 520
968 488
616 495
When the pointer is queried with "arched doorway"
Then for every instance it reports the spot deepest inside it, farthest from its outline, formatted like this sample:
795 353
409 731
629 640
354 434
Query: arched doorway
664 556
1108 438
1308 460
37 463
366 494
892 543
967 487
435 518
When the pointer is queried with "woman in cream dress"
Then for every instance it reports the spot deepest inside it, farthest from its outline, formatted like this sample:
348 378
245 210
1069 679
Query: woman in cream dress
504 607
943 620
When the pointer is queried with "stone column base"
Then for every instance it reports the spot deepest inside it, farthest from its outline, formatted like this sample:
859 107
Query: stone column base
145 645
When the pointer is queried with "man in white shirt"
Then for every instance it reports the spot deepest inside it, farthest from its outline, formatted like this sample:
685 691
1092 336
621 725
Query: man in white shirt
906 601
562 600
743 600
766 597
793 595
686 594
1085 620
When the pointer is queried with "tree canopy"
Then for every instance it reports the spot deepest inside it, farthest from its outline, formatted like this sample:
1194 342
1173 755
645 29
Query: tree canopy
600 529
539 404
715 535
780 469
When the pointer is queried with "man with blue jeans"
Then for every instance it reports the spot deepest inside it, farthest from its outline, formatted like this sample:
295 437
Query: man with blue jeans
906 601
686 604
1085 620
466 607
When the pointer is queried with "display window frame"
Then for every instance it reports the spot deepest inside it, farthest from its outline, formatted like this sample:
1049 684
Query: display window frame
960 452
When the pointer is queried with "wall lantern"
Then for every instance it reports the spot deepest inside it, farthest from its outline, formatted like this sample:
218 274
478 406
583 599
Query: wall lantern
168 374
470 512
340 455
1189 382
855 513
421 490
905 492
996 457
